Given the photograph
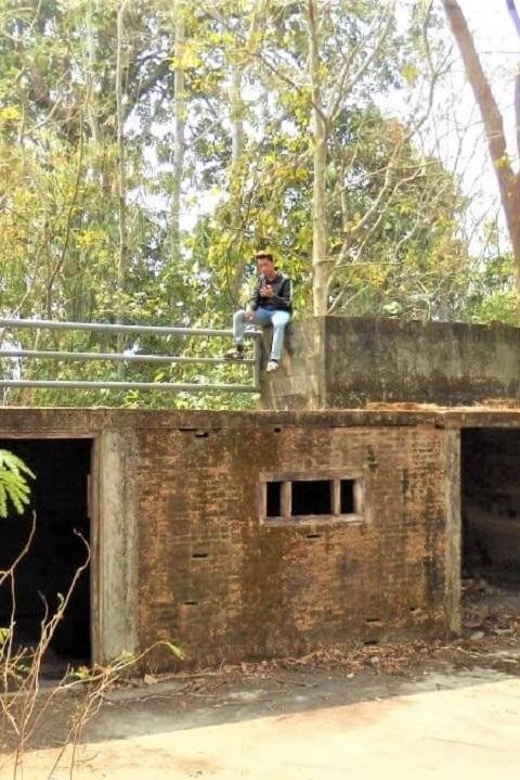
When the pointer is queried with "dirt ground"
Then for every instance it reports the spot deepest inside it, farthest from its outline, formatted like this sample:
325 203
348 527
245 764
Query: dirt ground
410 711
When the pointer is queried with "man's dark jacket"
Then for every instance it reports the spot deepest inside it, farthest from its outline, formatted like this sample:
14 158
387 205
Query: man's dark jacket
281 299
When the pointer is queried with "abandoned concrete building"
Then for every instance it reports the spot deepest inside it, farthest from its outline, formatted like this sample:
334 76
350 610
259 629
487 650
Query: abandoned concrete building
386 464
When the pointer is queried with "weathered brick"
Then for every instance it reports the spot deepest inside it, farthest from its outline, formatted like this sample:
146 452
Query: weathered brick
267 590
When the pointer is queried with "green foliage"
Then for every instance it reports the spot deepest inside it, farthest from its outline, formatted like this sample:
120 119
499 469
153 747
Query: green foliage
173 649
394 214
124 662
497 306
492 292
13 483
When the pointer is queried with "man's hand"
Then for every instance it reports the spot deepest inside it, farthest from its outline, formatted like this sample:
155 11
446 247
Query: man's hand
249 315
266 291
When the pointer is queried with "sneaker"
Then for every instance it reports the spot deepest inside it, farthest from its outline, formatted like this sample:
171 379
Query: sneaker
273 365
236 353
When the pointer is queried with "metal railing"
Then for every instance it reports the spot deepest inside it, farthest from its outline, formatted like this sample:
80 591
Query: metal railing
125 357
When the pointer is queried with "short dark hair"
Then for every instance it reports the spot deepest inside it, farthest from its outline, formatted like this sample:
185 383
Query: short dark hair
264 256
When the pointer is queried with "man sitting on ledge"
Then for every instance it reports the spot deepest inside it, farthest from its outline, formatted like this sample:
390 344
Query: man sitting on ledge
270 305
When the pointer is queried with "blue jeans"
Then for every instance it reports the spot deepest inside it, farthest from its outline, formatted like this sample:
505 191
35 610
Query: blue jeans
278 319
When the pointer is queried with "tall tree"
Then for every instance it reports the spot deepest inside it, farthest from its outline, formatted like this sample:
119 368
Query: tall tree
507 178
311 64
123 122
329 88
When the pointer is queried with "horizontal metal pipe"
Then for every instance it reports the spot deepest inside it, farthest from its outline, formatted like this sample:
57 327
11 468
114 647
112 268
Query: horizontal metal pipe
178 388
117 356
109 328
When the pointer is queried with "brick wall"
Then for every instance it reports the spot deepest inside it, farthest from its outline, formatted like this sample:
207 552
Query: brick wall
225 586
180 552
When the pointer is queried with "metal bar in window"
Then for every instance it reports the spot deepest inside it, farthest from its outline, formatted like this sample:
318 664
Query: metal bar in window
335 496
286 500
358 497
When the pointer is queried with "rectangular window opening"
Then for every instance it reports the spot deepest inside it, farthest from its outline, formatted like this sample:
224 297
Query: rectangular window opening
297 498
347 501
311 497
273 499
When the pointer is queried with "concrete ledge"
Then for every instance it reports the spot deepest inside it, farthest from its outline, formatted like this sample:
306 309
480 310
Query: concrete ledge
344 363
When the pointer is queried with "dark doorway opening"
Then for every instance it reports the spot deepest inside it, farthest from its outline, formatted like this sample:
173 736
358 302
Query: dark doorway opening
60 499
490 504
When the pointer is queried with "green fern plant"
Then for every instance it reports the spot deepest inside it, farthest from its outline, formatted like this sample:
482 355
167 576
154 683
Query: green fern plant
14 488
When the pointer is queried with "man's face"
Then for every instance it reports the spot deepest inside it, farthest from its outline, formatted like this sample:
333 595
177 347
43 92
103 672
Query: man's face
266 267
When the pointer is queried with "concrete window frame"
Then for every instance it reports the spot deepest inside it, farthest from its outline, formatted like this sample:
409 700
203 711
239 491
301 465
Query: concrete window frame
286 480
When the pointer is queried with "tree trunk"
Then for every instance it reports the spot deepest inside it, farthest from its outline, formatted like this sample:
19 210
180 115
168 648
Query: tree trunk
237 117
179 132
92 60
319 213
508 181
235 177
122 261
513 12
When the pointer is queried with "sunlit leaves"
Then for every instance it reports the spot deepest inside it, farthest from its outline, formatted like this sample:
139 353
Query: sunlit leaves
14 488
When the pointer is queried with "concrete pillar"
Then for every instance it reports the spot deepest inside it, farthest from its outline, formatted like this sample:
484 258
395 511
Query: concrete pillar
300 382
117 561
453 529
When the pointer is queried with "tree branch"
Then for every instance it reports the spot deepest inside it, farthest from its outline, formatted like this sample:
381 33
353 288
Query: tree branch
493 123
344 84
513 12
488 106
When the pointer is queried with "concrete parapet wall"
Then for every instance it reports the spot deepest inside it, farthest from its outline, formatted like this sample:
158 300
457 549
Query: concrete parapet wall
343 363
